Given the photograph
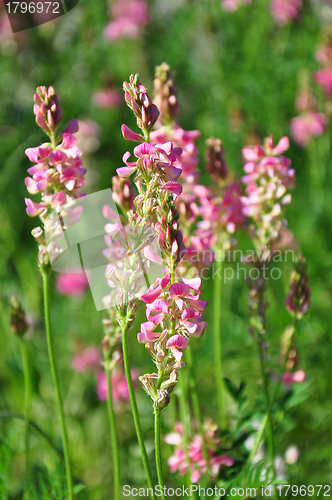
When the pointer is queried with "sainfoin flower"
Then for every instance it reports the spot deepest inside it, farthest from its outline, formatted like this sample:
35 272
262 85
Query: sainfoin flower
284 11
72 284
174 308
128 18
192 459
306 126
120 392
268 176
86 359
57 174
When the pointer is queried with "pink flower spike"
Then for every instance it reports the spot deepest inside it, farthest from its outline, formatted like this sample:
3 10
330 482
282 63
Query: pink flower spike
177 341
125 172
281 147
151 255
130 135
172 187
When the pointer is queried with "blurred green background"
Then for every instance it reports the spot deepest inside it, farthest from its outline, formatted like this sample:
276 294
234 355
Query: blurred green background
237 77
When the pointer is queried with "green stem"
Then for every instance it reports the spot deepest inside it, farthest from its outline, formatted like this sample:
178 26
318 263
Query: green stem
114 439
268 405
135 410
217 342
46 289
157 451
27 405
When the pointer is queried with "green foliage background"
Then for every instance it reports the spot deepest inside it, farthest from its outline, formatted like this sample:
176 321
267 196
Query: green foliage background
225 65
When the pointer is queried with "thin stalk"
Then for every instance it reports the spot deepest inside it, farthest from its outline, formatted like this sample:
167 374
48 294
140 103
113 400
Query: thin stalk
61 415
217 344
27 405
157 451
114 439
268 406
135 409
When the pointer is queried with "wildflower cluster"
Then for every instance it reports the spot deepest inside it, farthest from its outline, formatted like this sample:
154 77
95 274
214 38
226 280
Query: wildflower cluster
298 299
284 11
173 306
268 176
190 458
128 19
57 173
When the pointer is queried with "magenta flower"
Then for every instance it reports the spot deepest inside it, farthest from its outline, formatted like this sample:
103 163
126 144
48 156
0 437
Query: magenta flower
324 79
268 175
106 98
297 377
57 174
86 359
72 284
284 11
306 126
128 18
192 460
120 392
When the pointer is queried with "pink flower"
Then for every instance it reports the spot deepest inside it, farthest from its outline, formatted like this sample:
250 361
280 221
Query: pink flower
289 378
306 126
88 359
120 392
129 16
233 5
72 284
193 459
106 98
324 79
284 11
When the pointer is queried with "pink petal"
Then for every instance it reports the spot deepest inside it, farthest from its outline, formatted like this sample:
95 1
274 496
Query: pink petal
194 283
151 295
32 154
125 172
281 147
177 341
68 141
72 127
144 149
151 255
249 154
178 290
172 187
130 135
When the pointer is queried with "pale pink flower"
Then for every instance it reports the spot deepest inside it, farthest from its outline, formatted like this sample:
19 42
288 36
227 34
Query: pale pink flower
192 459
233 5
72 284
324 79
107 98
284 11
86 359
120 391
128 18
289 378
306 126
